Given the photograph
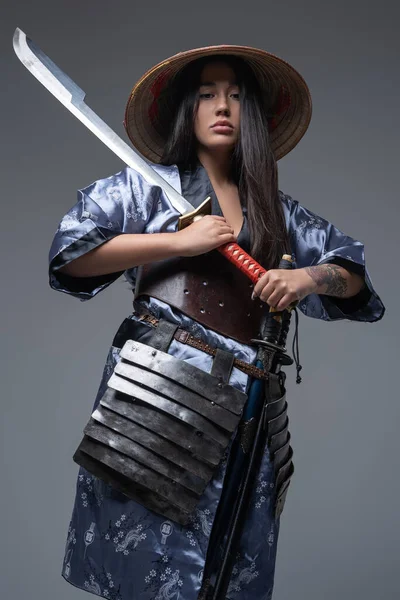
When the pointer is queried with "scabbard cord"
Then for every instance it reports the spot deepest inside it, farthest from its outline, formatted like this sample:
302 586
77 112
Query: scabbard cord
295 347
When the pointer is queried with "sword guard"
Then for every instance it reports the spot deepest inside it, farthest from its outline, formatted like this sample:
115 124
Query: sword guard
281 356
266 344
189 217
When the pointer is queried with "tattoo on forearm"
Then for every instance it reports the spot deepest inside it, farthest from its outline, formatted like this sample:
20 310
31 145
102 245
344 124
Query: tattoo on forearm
330 275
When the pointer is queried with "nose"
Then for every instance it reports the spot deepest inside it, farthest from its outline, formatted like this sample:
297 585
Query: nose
222 105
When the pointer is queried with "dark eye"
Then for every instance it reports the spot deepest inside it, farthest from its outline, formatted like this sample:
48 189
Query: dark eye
236 95
206 95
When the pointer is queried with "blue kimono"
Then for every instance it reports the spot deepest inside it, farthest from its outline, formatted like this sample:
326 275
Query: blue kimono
116 548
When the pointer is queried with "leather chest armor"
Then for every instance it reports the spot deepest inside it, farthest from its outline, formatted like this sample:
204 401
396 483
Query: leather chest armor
209 289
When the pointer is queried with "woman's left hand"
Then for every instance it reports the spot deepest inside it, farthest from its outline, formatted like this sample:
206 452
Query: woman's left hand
280 287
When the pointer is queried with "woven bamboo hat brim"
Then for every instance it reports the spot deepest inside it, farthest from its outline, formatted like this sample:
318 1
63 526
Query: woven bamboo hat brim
150 108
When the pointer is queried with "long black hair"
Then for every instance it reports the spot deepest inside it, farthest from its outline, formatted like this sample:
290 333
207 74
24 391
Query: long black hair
254 167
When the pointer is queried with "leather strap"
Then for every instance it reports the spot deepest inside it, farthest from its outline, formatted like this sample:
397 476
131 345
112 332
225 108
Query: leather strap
184 337
222 365
164 335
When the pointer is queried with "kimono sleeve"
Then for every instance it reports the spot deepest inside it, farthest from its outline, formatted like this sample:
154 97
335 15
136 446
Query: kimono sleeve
315 241
105 209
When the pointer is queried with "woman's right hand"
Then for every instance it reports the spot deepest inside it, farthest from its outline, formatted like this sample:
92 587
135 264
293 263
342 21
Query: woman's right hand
204 235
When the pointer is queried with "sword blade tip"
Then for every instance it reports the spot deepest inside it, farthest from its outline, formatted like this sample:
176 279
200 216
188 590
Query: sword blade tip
45 70
18 36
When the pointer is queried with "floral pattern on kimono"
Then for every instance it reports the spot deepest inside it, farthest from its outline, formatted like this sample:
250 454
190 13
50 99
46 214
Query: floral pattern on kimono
115 547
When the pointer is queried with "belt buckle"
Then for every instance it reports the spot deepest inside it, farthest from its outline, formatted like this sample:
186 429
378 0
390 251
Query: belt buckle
182 336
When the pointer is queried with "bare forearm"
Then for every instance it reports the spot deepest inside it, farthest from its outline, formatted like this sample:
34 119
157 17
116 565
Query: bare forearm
124 252
333 280
130 250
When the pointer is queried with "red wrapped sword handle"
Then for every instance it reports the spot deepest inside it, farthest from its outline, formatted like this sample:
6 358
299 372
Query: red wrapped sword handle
231 251
243 261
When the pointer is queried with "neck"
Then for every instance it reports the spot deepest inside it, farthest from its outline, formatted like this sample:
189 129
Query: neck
217 164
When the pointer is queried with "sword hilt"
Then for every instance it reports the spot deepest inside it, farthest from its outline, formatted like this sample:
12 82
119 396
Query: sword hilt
243 261
287 263
276 321
276 325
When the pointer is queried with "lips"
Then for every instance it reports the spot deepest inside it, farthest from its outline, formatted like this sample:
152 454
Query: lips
222 123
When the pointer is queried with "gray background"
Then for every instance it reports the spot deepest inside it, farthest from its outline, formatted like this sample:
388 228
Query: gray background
340 527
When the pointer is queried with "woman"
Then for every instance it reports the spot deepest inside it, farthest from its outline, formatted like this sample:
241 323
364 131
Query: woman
214 121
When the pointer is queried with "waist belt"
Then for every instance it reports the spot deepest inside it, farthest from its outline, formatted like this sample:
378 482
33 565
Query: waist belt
184 337
209 289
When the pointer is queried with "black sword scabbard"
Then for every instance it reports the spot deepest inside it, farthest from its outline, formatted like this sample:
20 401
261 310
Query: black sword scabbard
272 353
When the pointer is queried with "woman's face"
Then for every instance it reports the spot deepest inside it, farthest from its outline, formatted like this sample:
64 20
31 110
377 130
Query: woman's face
218 102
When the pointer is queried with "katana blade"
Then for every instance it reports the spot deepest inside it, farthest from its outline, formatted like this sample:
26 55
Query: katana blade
72 97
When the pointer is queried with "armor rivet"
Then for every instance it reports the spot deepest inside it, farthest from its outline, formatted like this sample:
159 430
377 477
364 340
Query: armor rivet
185 291
154 353
212 403
205 282
202 310
220 303
219 385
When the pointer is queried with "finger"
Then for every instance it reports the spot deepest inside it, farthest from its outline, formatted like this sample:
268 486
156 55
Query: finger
274 298
228 237
225 239
211 219
261 283
266 292
226 232
284 302
225 226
